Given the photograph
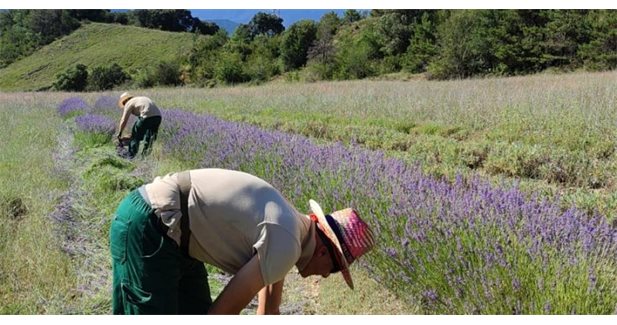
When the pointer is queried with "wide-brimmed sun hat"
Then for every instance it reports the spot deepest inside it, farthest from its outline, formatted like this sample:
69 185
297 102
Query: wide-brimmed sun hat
349 234
123 98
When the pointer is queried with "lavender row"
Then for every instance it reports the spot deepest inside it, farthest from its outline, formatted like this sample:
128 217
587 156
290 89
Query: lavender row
103 105
95 123
461 247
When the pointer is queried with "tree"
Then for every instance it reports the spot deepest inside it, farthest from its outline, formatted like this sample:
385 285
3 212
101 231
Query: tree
164 73
229 69
601 51
203 28
565 30
393 33
106 77
73 79
98 15
422 45
264 23
296 43
357 51
173 20
51 24
202 57
321 54
16 38
263 62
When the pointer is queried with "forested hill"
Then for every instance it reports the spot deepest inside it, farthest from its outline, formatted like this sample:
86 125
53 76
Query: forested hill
436 44
93 45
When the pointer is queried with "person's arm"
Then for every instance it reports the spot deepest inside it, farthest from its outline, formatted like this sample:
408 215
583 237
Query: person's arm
240 290
270 299
125 118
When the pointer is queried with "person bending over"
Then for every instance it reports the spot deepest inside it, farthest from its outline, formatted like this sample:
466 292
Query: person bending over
145 128
164 232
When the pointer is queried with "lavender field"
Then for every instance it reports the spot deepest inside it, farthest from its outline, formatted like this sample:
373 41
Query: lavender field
457 242
464 247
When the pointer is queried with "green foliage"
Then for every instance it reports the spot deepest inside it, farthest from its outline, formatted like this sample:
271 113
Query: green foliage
441 44
422 46
601 51
356 53
95 44
162 74
229 69
92 139
73 79
106 77
265 23
263 63
24 31
173 20
296 42
321 55
351 16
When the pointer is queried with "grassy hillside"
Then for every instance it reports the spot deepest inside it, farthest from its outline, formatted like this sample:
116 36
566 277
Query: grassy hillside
94 44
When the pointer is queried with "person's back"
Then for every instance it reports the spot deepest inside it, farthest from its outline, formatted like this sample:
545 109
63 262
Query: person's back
142 106
233 215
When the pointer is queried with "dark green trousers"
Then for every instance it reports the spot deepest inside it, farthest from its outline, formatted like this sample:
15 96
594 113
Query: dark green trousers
145 129
151 275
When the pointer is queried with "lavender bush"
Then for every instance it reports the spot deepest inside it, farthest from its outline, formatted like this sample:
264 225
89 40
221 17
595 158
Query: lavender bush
462 247
94 130
106 105
71 107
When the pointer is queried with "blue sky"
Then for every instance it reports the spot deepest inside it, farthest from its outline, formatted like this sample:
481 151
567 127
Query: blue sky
243 16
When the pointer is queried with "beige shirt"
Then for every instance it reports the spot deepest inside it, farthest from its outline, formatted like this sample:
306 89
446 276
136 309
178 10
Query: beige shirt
138 106
233 216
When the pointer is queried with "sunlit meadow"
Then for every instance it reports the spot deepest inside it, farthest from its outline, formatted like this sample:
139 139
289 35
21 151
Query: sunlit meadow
488 196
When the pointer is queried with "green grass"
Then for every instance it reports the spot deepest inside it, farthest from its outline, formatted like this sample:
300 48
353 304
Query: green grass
551 133
35 275
93 45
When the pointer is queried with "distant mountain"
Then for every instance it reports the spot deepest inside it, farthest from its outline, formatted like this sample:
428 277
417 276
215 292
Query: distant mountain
226 24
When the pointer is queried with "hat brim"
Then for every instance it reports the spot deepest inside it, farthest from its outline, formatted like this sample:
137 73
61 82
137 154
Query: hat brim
321 218
122 101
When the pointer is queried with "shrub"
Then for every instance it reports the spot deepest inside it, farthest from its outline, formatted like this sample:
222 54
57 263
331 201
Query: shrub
106 77
229 69
163 74
71 107
73 79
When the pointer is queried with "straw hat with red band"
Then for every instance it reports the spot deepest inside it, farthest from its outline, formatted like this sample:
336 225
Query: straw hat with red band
123 98
350 236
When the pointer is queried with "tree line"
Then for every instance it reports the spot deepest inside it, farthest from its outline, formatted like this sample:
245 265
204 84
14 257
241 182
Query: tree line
441 44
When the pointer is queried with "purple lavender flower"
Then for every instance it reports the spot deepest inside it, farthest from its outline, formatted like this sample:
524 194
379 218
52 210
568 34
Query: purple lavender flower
94 123
71 107
106 104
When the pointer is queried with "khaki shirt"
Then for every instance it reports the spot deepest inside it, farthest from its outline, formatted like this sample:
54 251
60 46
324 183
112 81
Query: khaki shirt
233 216
138 106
